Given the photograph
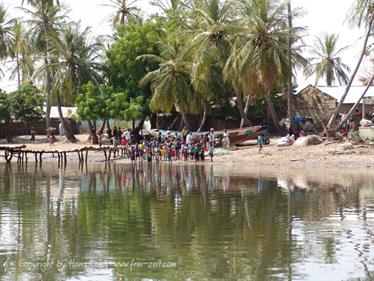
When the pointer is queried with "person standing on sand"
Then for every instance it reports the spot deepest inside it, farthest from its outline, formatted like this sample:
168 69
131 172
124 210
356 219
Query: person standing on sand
184 134
260 141
226 139
33 134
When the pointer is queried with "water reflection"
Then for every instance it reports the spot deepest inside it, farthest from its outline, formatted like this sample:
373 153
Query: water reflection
181 222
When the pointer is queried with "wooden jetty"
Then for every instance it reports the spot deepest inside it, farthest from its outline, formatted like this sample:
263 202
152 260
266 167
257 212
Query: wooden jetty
22 153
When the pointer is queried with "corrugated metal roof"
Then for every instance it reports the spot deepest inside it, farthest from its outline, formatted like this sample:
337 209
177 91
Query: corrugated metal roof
337 92
353 96
66 111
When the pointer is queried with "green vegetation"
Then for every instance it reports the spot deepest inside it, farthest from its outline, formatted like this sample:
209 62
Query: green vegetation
327 63
201 58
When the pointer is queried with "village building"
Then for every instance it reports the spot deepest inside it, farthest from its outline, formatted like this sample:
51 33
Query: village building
320 102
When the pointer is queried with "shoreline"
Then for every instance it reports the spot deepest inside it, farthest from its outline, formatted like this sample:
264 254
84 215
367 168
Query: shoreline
328 155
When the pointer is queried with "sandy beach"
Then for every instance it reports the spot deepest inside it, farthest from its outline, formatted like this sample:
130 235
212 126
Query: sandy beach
329 154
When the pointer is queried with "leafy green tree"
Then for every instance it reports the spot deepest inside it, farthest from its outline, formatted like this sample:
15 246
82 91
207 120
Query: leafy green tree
26 104
5 114
123 70
326 61
92 103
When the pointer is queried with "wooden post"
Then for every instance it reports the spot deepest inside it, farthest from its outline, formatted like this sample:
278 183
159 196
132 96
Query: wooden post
36 157
86 155
40 157
65 156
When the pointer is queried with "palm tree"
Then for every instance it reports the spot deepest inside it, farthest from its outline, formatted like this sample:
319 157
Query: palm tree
265 36
361 13
213 27
45 20
5 34
124 12
23 54
326 61
73 64
170 84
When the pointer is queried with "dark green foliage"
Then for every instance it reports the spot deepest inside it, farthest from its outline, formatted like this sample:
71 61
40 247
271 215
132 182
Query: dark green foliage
124 71
26 103
5 115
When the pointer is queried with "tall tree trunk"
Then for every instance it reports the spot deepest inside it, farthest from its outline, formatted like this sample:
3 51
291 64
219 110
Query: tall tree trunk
90 126
140 125
355 105
239 103
246 108
107 124
46 63
101 129
348 87
185 120
289 55
203 120
272 111
175 120
18 71
68 132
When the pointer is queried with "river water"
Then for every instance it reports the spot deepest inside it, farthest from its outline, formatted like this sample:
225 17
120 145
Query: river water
182 222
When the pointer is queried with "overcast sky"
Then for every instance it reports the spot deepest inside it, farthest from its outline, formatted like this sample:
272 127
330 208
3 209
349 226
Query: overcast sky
321 16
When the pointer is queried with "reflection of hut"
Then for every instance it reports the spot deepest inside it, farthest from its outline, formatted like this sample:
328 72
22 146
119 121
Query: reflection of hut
320 102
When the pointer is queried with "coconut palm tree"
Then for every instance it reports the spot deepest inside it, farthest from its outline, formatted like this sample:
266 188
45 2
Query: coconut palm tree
264 52
213 27
326 61
361 14
23 55
5 35
124 12
44 21
73 64
76 60
171 84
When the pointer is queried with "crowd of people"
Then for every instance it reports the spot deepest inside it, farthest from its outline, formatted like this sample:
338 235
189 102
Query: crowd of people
168 146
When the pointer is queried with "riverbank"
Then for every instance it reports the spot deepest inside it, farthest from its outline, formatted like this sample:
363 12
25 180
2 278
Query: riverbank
332 155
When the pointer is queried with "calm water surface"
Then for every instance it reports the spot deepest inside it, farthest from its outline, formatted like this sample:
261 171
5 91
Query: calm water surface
176 222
